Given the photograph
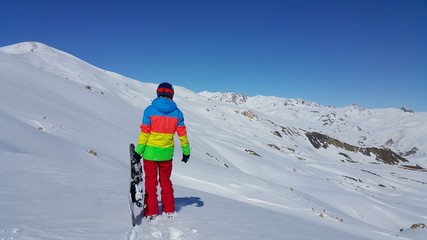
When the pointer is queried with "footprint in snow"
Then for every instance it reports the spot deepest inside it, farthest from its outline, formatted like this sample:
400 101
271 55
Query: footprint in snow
174 233
157 234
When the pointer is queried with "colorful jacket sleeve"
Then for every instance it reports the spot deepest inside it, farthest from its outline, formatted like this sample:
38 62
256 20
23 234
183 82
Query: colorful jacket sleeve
144 133
182 134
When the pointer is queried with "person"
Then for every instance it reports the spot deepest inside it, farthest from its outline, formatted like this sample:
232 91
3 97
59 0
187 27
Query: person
161 120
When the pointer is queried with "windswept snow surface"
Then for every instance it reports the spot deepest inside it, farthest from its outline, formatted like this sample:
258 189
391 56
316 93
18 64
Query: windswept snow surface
253 174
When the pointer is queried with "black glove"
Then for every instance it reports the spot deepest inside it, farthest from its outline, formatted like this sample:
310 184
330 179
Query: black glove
136 157
185 158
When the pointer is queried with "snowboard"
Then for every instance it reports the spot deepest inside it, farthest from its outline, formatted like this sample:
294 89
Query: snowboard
136 190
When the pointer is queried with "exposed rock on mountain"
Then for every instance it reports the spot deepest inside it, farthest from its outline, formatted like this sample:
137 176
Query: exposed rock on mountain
384 155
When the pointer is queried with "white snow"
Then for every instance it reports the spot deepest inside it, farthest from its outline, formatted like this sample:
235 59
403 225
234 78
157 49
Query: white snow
243 180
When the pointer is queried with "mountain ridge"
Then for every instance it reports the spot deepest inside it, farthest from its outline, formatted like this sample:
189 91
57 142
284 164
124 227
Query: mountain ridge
329 120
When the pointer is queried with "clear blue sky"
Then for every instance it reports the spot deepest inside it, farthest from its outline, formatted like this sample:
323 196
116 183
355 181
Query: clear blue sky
334 52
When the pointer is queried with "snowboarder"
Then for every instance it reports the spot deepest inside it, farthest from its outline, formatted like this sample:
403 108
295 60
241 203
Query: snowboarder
161 120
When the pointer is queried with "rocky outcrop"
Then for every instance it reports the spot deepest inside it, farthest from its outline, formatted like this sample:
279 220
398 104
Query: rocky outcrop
229 98
407 110
385 155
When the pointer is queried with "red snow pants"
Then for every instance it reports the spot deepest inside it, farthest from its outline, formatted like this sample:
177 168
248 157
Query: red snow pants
156 172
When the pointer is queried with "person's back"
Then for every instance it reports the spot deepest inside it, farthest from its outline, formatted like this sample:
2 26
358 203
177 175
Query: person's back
161 120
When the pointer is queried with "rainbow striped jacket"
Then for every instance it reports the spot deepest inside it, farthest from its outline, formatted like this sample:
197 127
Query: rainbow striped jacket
161 120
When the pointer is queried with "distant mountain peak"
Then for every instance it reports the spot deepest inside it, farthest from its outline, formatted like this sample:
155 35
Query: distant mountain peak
33 49
23 47
405 109
226 97
258 101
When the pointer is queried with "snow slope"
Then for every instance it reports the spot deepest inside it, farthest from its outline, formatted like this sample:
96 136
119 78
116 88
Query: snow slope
253 173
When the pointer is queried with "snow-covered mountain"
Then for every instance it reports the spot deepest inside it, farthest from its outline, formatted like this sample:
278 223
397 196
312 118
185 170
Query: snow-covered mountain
261 167
400 130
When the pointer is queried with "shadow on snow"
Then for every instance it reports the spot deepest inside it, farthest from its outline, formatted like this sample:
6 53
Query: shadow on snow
187 201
